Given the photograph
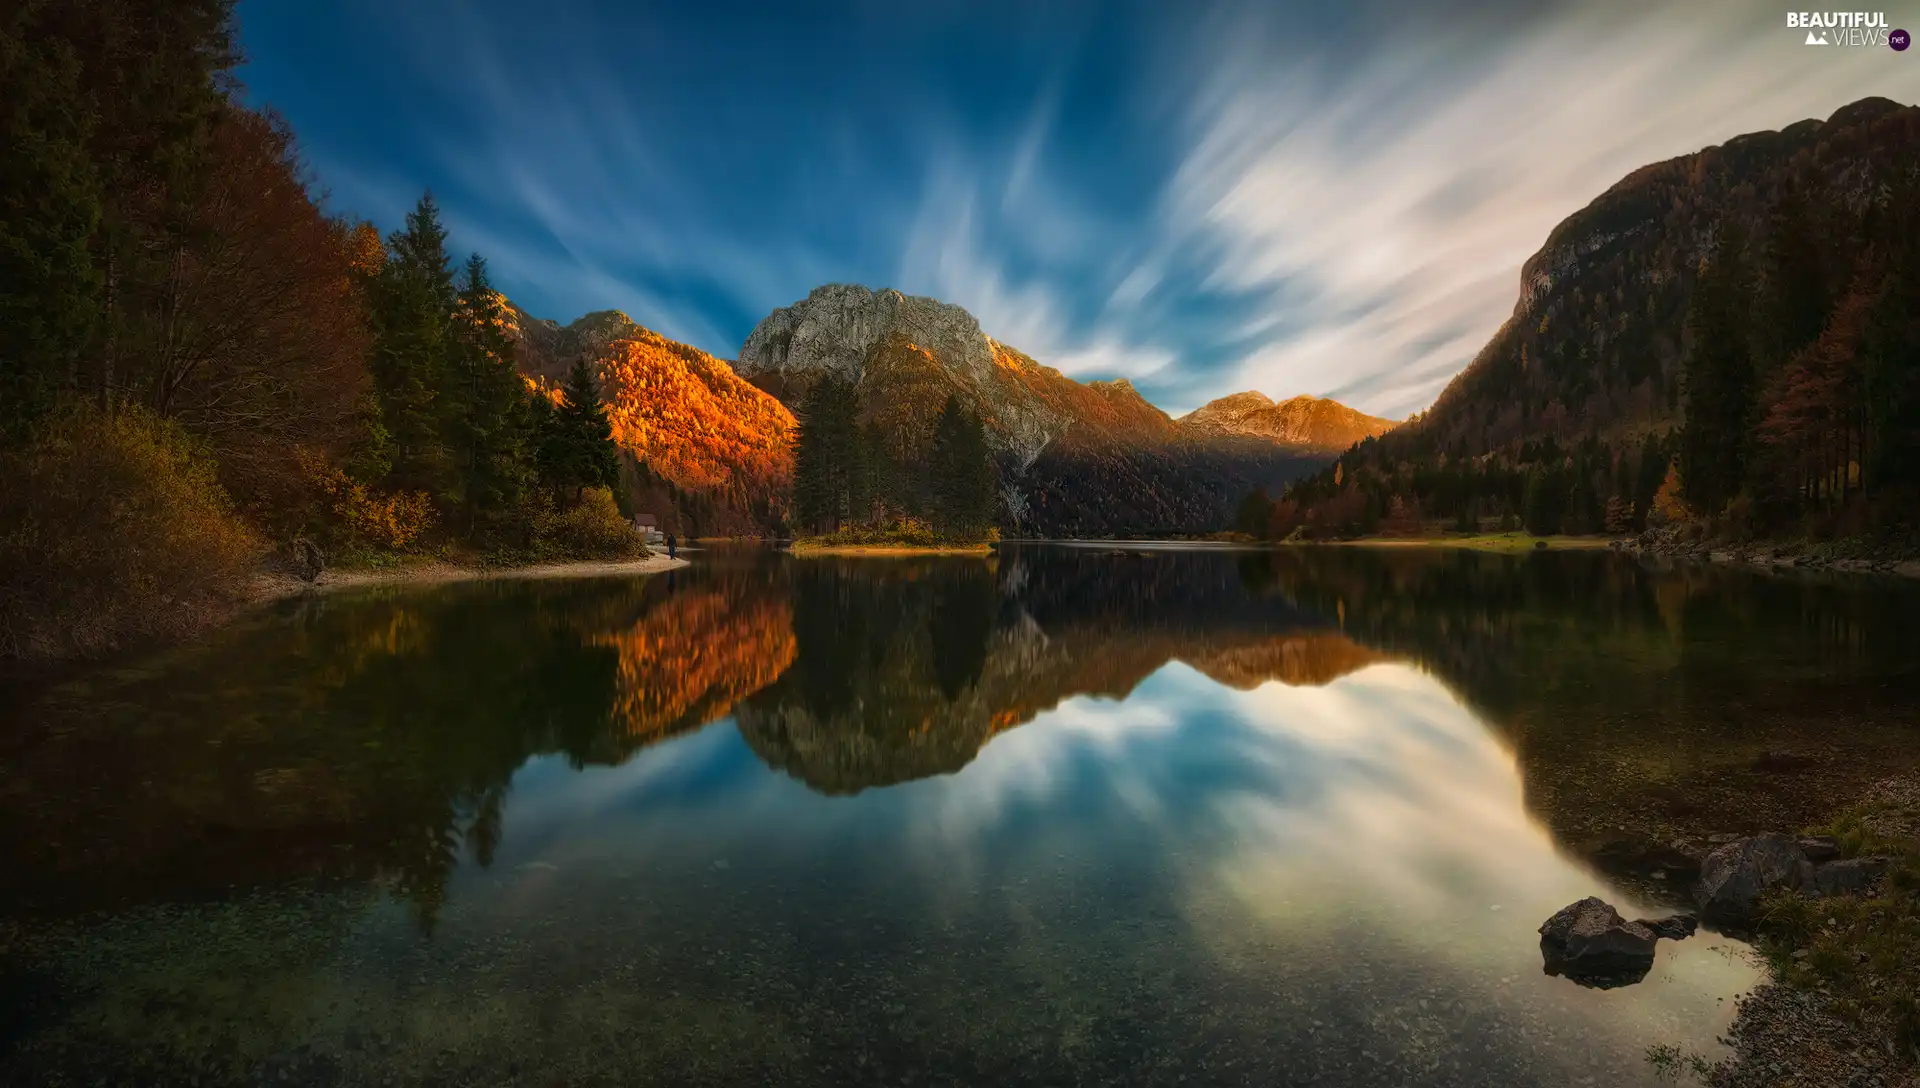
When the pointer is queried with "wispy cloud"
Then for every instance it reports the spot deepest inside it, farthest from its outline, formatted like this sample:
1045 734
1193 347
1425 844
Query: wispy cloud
1383 200
1330 201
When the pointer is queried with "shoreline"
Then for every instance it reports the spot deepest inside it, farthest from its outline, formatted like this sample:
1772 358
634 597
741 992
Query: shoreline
267 586
890 551
1502 543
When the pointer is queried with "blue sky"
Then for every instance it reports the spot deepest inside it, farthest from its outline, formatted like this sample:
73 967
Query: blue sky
1204 198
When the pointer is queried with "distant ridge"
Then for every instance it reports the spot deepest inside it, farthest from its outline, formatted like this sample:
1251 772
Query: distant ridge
1306 423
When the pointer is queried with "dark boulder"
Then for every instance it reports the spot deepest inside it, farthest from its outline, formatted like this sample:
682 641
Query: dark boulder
1734 877
1848 876
1589 943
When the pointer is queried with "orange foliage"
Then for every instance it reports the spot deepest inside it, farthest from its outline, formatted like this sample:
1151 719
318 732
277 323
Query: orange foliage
691 659
393 520
1113 407
693 420
1669 508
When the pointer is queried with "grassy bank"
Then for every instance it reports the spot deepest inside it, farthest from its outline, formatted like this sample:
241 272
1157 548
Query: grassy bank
910 538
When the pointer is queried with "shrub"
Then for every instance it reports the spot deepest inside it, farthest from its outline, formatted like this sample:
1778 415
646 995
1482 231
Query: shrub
363 518
113 529
590 529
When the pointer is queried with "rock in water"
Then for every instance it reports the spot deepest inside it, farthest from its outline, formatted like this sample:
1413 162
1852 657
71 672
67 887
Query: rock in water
1735 876
1589 943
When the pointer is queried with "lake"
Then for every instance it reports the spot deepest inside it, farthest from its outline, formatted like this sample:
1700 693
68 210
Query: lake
1072 814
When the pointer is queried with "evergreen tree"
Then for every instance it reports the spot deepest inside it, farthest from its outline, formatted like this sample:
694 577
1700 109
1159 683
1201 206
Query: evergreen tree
413 300
1720 383
1795 294
106 107
1256 510
1892 355
961 465
576 440
486 411
831 482
1546 500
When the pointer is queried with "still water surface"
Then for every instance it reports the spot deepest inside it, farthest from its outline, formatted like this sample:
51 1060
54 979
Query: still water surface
1057 817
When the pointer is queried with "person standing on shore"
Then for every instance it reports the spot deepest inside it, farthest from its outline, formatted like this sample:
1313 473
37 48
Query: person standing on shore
673 547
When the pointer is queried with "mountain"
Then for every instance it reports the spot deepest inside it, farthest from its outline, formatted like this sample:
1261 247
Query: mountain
1083 459
1307 423
1596 336
713 453
1571 414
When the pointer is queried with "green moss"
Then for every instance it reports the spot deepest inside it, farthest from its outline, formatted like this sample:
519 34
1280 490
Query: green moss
1863 951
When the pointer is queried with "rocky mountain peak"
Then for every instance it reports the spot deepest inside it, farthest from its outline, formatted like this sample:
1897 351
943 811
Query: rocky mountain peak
836 327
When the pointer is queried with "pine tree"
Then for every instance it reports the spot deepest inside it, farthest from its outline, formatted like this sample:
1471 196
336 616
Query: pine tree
961 465
486 410
1795 294
1720 383
1256 510
830 476
577 449
413 300
1891 362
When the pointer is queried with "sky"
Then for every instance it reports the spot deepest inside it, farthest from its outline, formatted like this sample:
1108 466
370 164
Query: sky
1203 198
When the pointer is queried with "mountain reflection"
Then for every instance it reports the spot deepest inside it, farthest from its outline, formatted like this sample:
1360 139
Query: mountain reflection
375 737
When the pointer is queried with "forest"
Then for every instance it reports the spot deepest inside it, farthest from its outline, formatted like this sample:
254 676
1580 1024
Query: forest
199 363
867 483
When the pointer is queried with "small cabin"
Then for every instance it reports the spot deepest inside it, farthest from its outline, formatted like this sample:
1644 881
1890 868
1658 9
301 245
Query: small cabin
648 526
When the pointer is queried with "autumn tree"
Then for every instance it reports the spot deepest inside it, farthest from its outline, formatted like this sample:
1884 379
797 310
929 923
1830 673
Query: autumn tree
257 336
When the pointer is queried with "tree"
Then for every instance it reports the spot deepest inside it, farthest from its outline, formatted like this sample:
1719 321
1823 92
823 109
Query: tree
256 337
1256 511
1891 354
1719 381
108 107
1547 493
413 302
961 466
831 481
576 443
1794 294
486 413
